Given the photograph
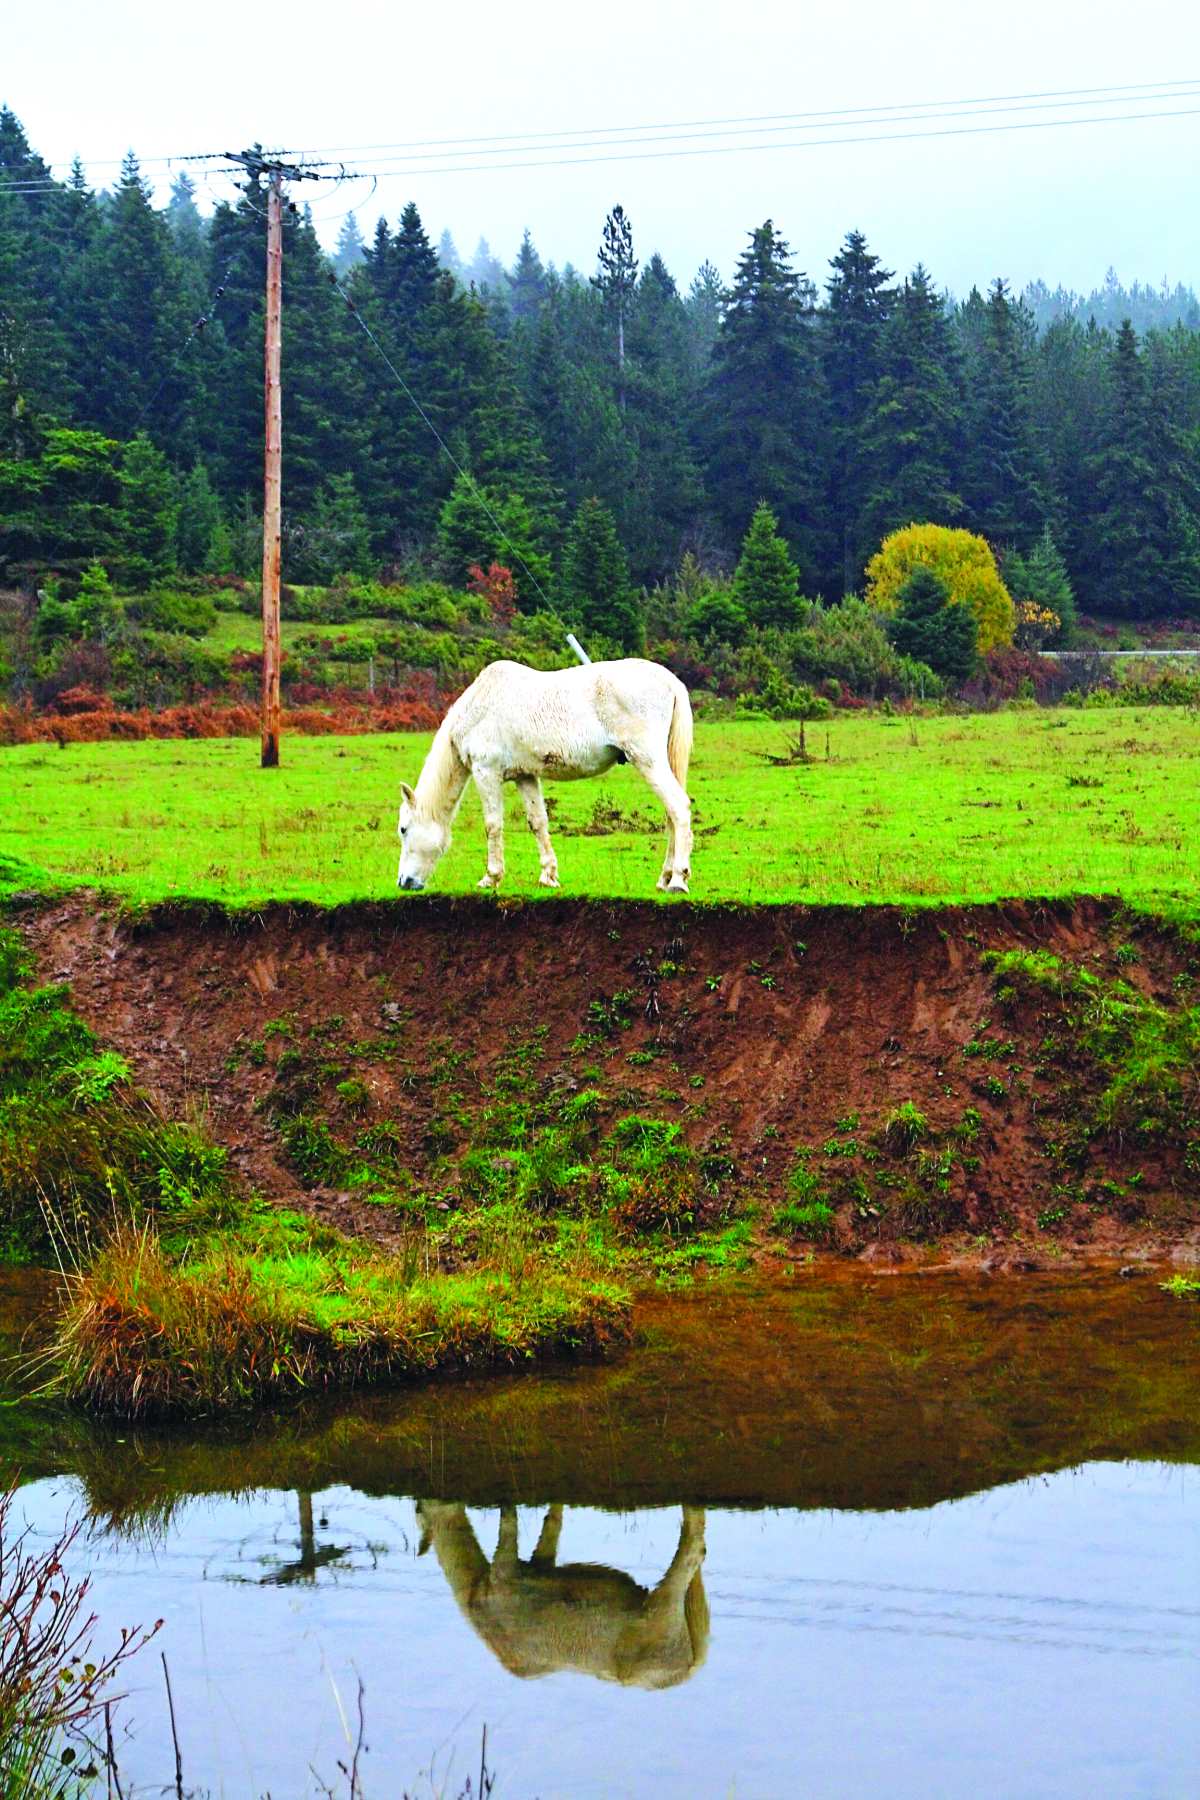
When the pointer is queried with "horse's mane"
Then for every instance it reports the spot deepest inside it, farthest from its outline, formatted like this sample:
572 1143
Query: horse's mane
443 776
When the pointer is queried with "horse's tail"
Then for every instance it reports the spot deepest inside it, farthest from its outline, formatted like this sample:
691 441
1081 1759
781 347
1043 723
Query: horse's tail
679 736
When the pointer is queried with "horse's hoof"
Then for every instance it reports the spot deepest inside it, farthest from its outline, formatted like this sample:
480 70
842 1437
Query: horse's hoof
661 884
677 885
550 881
489 883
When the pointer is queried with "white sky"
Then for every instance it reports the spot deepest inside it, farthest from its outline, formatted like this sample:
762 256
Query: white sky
100 76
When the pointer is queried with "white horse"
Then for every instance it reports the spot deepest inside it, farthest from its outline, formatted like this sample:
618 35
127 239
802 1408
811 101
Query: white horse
519 724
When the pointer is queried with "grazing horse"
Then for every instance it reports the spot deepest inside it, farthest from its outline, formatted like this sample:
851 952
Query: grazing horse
518 724
538 1618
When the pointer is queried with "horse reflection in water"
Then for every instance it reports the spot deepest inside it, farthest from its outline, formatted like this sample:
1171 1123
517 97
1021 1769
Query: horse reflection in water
538 1617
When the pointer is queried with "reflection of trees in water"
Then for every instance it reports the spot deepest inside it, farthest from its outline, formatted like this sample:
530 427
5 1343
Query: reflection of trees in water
538 1616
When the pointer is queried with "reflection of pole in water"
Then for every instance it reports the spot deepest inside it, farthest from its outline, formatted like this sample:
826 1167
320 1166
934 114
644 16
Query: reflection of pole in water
311 1557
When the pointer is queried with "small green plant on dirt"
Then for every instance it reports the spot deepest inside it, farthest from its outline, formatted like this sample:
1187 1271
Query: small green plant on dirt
847 1123
967 1129
1126 954
835 1146
580 1107
1182 1287
903 1128
814 1219
355 1093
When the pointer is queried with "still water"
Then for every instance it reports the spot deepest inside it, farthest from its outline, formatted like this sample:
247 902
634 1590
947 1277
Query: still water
912 1537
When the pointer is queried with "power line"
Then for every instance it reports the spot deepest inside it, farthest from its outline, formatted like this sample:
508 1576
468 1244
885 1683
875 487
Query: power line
881 116
568 138
636 156
896 137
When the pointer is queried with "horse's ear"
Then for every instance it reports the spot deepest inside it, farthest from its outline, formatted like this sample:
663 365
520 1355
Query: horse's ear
406 793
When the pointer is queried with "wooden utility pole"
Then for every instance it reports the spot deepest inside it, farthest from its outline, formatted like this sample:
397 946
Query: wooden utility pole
272 475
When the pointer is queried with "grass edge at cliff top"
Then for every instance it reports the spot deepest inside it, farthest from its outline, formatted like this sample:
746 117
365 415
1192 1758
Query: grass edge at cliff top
912 810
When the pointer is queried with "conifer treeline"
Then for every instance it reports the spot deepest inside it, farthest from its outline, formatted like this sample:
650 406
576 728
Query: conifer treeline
851 409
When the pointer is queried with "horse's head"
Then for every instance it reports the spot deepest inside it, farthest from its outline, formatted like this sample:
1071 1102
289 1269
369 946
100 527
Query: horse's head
423 842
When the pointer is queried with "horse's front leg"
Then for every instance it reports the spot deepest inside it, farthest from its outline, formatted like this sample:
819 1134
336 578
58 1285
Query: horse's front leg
491 793
539 823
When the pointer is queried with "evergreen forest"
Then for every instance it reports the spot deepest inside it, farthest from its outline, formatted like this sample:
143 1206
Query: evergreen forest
587 430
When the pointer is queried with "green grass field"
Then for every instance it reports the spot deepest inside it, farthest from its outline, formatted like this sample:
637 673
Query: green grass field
966 808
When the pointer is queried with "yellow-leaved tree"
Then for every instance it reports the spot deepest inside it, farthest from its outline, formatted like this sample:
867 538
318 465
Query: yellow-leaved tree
966 565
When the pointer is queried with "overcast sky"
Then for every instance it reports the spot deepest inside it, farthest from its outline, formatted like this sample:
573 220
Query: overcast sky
100 76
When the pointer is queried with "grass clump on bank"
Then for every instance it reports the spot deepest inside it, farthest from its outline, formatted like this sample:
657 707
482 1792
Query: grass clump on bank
285 1307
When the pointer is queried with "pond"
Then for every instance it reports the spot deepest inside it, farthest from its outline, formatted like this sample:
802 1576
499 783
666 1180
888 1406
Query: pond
860 1536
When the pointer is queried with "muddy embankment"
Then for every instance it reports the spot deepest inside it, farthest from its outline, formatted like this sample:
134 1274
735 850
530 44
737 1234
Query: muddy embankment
783 1040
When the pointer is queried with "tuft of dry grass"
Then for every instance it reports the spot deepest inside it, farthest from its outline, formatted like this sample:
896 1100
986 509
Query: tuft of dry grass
142 1336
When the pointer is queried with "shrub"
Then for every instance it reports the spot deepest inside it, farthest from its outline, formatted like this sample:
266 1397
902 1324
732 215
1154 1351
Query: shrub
965 563
53 1686
165 610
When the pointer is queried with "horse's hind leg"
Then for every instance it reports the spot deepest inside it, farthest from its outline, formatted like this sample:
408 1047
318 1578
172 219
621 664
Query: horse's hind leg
491 793
539 823
661 781
546 1552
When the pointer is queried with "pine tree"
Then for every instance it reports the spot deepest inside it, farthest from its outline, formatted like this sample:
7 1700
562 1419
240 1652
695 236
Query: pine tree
35 335
186 223
335 538
1146 500
705 306
1004 482
665 495
766 582
141 365
149 510
931 629
350 248
197 521
597 595
448 257
527 282
1040 578
857 307
478 526
762 426
616 280
485 270
912 430
574 412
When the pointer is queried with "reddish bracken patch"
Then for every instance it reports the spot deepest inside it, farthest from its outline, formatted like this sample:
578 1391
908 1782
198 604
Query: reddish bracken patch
85 717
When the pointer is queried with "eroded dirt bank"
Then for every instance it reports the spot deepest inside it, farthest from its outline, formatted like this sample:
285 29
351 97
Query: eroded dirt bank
371 1049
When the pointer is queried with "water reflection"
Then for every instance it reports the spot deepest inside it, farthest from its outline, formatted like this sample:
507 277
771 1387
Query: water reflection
538 1616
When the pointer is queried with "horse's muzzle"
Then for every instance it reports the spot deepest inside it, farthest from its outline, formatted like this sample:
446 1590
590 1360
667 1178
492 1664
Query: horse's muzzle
410 883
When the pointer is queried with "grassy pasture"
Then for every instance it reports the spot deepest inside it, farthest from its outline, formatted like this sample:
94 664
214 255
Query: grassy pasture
919 810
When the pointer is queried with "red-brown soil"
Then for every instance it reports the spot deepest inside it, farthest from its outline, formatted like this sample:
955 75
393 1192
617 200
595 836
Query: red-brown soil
766 1028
